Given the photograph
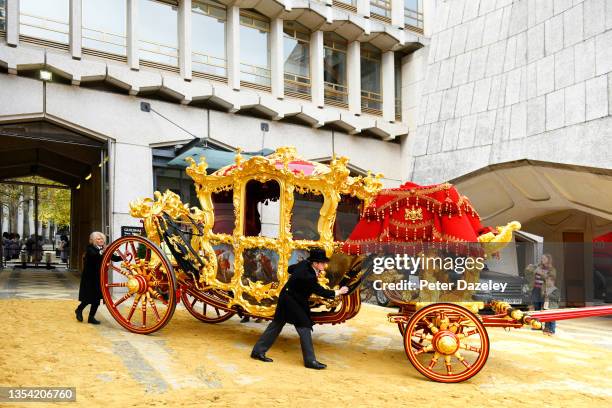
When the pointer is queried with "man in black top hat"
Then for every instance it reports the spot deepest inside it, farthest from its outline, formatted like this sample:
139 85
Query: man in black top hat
293 307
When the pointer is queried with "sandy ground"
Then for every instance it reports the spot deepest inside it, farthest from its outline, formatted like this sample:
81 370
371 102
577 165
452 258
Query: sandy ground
190 363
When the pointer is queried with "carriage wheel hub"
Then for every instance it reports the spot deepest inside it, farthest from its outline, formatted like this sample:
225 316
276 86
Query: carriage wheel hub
446 342
137 284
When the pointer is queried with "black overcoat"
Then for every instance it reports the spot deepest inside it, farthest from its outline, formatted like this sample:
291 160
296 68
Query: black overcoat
292 304
90 290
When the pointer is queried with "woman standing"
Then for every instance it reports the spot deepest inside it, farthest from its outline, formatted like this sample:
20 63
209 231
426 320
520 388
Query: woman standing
90 291
544 269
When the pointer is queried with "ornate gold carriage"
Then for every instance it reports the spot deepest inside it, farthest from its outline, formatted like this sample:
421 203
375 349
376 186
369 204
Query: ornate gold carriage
258 216
231 255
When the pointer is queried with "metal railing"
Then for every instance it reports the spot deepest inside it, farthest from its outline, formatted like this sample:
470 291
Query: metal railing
109 40
371 100
335 92
208 64
162 53
45 24
297 84
255 74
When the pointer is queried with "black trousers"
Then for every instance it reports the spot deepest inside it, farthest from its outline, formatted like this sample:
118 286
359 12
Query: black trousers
92 310
269 336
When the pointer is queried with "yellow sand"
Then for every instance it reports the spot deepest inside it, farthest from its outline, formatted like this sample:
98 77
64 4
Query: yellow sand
199 364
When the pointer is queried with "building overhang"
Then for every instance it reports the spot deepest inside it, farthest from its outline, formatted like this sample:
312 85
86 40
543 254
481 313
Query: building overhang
524 190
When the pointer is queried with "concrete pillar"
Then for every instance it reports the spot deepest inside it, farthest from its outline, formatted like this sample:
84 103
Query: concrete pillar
76 23
132 34
277 59
12 22
184 37
429 16
353 66
388 86
317 53
363 7
397 13
233 50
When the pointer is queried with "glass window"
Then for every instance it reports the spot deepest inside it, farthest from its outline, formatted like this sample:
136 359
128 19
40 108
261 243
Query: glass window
371 95
225 219
158 32
254 48
334 71
381 7
305 216
413 13
104 25
296 45
2 15
208 38
261 209
47 20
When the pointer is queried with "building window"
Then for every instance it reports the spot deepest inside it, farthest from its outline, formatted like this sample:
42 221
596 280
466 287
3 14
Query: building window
254 49
334 71
158 32
413 13
296 49
208 38
398 87
45 20
104 26
371 95
2 15
381 8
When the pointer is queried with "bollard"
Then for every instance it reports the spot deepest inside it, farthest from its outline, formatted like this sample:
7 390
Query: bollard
48 259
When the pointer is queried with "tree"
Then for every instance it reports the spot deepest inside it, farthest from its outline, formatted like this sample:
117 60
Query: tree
54 206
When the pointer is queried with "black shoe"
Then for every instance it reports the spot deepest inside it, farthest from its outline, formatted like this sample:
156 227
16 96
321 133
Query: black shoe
79 315
92 320
245 319
261 357
315 365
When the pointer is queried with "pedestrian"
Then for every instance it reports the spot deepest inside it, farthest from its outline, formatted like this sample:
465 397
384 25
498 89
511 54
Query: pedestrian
293 307
90 291
544 268
551 301
64 248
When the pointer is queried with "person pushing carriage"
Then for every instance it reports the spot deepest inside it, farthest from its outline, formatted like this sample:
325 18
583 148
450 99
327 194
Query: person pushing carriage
293 307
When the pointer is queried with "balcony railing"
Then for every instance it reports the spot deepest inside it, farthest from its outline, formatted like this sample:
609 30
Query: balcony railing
296 85
104 41
336 94
43 28
350 5
157 53
255 75
381 10
208 65
371 102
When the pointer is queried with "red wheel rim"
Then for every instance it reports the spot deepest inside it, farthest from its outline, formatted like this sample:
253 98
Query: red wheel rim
446 343
140 289
198 307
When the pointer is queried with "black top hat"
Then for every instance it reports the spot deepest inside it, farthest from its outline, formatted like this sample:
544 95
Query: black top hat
318 255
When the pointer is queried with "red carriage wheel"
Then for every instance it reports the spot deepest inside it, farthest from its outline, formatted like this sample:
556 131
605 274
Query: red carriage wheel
138 284
201 310
446 343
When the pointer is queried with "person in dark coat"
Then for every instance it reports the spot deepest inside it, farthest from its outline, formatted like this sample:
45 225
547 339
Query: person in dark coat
90 291
293 307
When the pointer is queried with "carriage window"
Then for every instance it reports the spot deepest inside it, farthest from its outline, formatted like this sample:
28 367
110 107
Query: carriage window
262 209
347 217
223 204
305 216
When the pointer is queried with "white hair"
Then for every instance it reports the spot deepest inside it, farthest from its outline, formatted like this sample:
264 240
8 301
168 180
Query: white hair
95 234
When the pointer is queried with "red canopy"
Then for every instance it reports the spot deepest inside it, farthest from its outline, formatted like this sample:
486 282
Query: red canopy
416 214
